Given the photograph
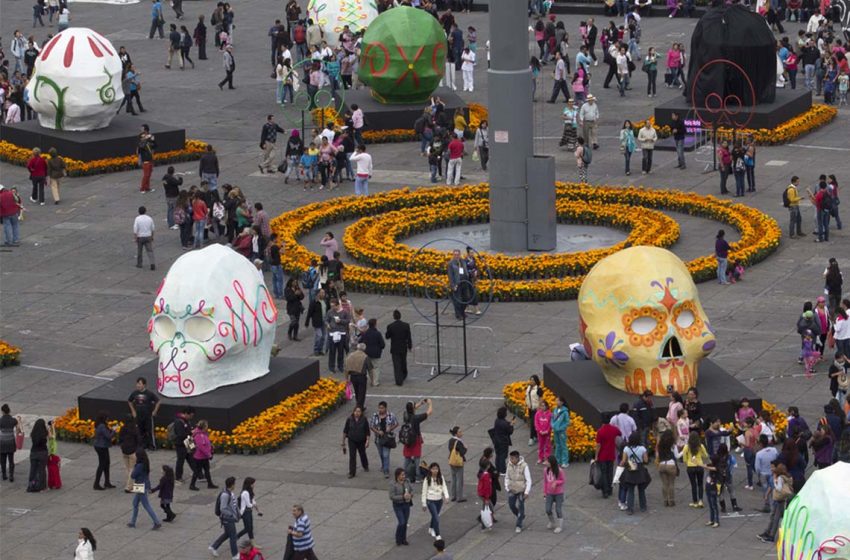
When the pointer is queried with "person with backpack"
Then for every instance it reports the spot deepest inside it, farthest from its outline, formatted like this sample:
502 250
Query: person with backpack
410 436
739 169
179 431
823 203
791 200
584 156
227 511
424 127
202 454
141 487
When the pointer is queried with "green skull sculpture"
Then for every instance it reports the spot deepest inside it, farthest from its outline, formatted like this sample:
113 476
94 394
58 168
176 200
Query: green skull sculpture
403 56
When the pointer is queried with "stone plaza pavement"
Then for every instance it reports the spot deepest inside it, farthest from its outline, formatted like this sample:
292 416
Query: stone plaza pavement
71 298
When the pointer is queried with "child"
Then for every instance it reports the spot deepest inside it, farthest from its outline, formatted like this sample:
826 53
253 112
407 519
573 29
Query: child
683 428
307 165
735 272
810 355
166 492
843 86
543 427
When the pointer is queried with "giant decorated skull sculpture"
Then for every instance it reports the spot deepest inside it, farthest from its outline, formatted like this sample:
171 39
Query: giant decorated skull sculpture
333 15
213 323
641 320
76 83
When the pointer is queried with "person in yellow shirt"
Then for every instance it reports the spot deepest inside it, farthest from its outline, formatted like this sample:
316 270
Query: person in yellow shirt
460 123
793 200
695 457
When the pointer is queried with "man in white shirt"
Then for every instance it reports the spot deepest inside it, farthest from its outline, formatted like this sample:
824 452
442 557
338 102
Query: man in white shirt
624 422
357 122
623 58
363 171
560 76
588 116
518 486
143 228
467 68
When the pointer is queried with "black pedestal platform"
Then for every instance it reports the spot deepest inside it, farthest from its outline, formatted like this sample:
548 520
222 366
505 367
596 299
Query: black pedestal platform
223 408
394 116
119 139
788 104
589 395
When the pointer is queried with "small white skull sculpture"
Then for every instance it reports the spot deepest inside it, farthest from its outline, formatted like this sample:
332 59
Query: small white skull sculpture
641 320
213 323
76 84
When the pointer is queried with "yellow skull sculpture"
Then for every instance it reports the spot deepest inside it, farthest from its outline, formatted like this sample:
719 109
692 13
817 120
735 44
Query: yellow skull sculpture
642 322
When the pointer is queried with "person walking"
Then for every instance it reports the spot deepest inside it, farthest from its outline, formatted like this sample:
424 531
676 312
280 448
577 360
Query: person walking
782 491
157 20
145 148
141 487
302 535
247 505
37 167
363 161
792 198
202 455
627 143
199 35
166 492
56 172
678 129
227 510
186 41
11 430
456 151
401 341
721 253
103 435
143 229
559 75
401 497
174 44
355 438
457 459
316 312
10 211
410 436
383 425
129 441
500 434
182 432
435 493
553 493
375 345
268 138
482 144
356 369
647 137
86 545
588 118
229 64
518 485
560 423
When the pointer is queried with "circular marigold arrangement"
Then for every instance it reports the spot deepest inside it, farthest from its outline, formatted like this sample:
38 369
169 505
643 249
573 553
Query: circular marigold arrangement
386 265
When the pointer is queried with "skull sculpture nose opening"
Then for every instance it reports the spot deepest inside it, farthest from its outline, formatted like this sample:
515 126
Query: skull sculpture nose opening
671 348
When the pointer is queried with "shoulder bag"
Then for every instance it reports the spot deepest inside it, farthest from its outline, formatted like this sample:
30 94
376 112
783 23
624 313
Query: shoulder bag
455 458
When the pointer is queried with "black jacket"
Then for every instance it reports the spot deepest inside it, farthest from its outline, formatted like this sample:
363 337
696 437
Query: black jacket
356 430
643 413
171 184
182 429
502 431
374 343
208 164
293 301
128 440
315 315
398 333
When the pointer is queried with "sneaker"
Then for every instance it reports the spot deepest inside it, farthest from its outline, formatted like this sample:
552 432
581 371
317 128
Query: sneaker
623 507
431 532
557 530
33 200
748 487
530 442
700 504
175 226
715 525
213 551
693 505
518 530
709 524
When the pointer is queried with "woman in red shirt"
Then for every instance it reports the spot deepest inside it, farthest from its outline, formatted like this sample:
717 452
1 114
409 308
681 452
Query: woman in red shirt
199 218
37 167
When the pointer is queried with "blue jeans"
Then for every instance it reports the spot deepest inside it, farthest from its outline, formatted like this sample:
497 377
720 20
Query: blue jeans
750 460
721 269
425 139
142 499
558 500
199 227
809 70
435 167
336 354
277 280
11 230
212 179
170 203
411 468
628 155
680 151
361 186
823 225
384 454
434 507
402 513
711 498
228 534
248 521
318 339
739 182
796 223
630 496
517 504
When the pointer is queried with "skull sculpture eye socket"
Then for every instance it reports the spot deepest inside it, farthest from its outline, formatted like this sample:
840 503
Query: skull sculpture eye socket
199 328
164 327
685 318
644 325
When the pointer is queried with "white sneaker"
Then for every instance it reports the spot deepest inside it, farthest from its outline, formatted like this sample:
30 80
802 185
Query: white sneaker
549 525
175 226
530 442
623 507
213 551
518 530
438 538
431 532
557 530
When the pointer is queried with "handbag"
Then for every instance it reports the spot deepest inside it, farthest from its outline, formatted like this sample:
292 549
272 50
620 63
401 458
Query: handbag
487 517
189 443
843 382
618 474
595 476
387 440
138 488
349 391
19 440
455 458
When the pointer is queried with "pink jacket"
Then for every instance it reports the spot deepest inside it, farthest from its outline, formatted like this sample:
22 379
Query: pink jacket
674 59
203 447
543 421
552 485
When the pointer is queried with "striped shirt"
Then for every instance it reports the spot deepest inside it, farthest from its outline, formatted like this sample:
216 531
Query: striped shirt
305 541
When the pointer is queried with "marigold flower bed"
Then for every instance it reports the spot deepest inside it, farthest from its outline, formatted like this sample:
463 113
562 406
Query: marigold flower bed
10 355
17 155
542 277
259 434
816 117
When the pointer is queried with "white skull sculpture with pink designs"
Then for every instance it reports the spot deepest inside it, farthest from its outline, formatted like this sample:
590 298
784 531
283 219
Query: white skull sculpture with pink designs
76 84
213 323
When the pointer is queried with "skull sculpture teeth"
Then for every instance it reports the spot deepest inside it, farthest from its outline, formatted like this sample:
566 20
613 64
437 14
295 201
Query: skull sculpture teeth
641 320
213 323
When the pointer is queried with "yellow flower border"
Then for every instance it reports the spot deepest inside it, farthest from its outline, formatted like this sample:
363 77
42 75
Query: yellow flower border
192 150
817 116
759 237
581 437
259 434
10 355
477 113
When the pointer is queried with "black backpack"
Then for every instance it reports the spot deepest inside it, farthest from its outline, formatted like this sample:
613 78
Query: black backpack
826 201
218 503
419 125
405 434
786 202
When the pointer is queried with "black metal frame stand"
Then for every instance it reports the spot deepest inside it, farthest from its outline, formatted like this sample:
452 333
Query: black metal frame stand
438 370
